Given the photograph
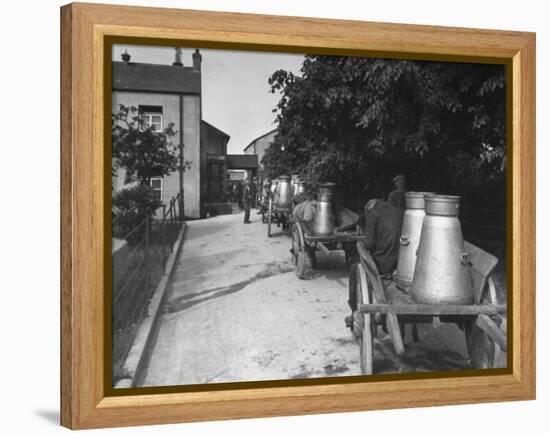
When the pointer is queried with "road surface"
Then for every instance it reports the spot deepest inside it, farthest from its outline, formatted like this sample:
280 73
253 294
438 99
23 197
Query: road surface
236 312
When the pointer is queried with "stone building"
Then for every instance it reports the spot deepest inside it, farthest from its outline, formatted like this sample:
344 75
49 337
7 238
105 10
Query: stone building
167 94
259 145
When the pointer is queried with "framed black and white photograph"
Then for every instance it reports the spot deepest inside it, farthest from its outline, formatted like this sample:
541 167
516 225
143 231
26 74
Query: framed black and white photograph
343 216
313 219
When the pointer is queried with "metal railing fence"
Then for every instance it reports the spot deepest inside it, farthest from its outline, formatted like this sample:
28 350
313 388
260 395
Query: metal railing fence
138 272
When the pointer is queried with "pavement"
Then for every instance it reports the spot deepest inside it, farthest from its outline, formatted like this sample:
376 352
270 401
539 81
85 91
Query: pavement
235 311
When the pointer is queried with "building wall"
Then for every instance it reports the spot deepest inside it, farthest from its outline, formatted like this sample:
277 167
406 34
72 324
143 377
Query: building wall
192 153
191 135
250 150
213 146
260 146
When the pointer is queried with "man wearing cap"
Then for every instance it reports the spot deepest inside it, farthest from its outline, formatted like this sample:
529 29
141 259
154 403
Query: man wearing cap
382 230
397 196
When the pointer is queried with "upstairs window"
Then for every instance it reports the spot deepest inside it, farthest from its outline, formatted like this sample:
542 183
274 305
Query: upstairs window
151 117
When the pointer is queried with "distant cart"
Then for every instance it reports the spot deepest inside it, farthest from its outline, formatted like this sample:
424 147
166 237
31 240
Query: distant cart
263 205
304 246
279 209
277 215
483 322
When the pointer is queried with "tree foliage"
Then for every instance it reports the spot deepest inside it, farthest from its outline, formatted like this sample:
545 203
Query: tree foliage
130 207
358 121
143 152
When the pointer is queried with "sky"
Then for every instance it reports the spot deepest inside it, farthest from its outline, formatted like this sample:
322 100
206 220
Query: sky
235 91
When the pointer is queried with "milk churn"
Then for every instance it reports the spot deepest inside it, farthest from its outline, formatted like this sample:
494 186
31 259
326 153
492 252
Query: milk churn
283 194
300 186
324 221
293 184
442 273
410 236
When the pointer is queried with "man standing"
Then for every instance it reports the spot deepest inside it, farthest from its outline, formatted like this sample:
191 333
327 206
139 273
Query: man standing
397 196
246 197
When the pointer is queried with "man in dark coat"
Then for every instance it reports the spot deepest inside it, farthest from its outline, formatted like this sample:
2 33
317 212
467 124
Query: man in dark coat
382 231
246 198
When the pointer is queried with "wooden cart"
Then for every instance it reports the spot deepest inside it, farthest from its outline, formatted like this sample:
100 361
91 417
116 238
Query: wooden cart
483 322
304 246
263 206
280 216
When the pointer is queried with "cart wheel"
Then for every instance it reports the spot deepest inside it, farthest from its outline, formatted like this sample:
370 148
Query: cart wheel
269 217
303 262
484 352
363 322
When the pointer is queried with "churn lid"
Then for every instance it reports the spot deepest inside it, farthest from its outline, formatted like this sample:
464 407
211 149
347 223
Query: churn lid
444 205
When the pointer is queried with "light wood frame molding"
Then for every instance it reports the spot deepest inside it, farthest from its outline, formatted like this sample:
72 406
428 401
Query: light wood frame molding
85 402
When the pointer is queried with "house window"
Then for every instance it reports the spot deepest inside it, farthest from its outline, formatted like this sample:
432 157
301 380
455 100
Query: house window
151 117
157 184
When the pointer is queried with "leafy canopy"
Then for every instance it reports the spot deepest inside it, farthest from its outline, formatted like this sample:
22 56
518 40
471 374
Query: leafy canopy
358 121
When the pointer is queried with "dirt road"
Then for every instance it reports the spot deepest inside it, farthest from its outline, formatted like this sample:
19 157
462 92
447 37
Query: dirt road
235 311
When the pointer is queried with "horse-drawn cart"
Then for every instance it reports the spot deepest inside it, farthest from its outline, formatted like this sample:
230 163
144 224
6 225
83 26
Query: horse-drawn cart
305 244
483 322
279 209
278 215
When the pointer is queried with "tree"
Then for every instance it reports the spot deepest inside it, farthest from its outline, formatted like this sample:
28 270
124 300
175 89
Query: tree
143 152
358 121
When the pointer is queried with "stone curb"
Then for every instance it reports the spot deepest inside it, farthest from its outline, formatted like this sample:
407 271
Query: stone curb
138 356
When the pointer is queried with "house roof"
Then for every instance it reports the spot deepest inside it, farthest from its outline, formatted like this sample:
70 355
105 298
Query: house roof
258 138
149 77
242 162
216 130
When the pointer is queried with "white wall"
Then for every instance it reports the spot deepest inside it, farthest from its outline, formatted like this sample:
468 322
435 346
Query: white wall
29 364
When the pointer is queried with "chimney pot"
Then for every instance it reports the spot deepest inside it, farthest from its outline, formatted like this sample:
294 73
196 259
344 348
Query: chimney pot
125 56
177 59
197 59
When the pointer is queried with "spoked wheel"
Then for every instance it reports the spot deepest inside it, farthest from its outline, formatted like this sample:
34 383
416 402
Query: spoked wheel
301 257
484 351
269 217
363 322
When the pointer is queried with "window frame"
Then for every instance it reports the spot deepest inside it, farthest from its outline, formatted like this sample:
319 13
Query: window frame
161 189
147 124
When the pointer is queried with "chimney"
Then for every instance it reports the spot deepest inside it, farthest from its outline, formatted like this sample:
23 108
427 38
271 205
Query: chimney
126 56
177 59
197 59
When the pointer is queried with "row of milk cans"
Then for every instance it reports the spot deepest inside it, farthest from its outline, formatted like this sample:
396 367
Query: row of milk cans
433 263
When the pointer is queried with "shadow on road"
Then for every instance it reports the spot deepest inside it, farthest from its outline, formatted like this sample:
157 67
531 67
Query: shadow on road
186 301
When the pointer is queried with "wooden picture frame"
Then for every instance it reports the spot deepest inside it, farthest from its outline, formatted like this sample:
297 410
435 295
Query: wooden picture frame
86 400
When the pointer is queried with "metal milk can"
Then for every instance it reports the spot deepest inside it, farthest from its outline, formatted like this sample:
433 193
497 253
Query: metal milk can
324 221
283 194
410 236
293 184
300 186
442 273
